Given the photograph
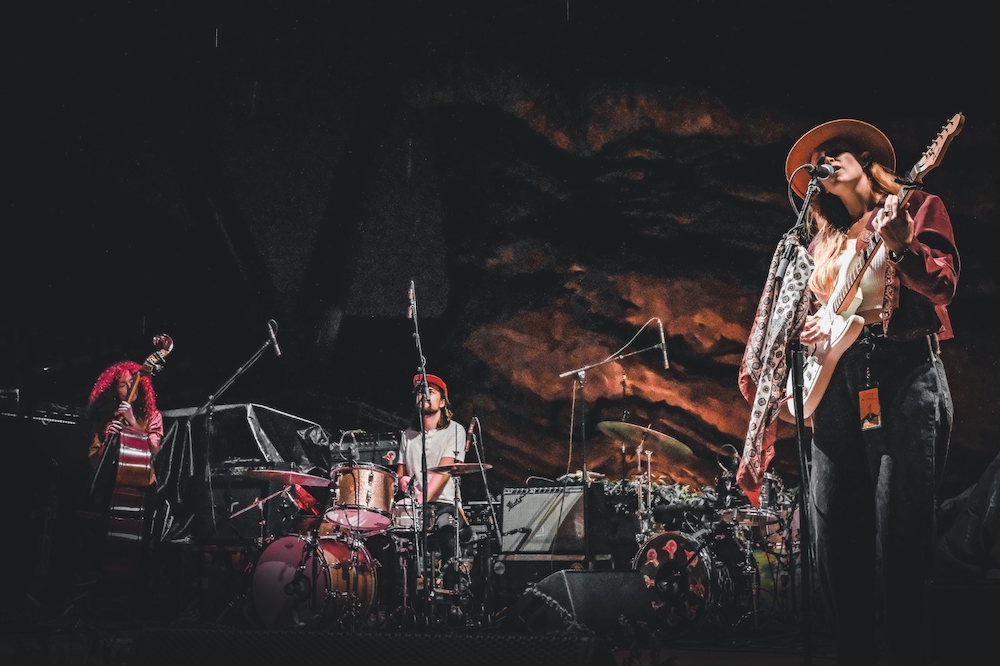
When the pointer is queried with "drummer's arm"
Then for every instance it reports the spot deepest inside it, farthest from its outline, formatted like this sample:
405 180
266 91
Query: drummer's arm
436 481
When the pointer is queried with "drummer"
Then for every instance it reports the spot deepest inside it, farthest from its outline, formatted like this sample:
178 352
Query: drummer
445 445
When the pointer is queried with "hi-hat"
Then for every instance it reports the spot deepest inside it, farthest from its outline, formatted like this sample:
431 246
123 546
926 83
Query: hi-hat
288 478
459 468
647 437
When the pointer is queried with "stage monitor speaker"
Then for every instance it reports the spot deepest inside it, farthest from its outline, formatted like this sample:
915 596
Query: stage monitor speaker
598 600
195 647
546 519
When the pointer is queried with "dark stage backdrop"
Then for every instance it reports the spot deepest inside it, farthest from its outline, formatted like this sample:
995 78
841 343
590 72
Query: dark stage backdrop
548 175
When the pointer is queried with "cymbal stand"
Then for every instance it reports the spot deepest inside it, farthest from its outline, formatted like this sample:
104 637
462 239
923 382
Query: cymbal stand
625 416
580 375
645 497
259 503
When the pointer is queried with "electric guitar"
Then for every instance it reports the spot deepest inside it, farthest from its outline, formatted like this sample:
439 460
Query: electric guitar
838 315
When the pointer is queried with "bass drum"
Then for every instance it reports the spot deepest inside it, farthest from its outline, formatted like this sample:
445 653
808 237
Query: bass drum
302 581
681 569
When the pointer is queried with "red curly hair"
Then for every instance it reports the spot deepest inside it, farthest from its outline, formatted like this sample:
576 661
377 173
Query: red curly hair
107 383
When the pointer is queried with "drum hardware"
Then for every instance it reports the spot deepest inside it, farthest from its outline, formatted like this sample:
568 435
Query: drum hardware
645 498
259 504
711 575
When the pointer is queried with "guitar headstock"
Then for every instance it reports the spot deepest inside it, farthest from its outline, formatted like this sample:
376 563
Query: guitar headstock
935 152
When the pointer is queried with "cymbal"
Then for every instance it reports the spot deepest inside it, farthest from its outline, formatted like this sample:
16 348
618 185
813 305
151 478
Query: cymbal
649 438
287 477
456 469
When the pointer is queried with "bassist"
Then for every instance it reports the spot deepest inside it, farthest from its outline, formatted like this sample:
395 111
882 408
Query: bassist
109 410
126 429
882 426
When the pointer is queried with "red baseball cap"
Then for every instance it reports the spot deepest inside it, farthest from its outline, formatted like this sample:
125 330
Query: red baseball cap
432 380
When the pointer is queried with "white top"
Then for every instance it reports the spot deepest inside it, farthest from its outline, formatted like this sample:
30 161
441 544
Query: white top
871 289
446 443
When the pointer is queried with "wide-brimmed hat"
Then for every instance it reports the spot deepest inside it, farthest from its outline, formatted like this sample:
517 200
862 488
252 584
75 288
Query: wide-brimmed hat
432 380
856 132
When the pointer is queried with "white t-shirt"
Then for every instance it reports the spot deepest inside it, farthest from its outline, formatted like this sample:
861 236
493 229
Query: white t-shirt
446 443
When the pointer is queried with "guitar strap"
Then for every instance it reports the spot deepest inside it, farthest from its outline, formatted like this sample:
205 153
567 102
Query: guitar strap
763 371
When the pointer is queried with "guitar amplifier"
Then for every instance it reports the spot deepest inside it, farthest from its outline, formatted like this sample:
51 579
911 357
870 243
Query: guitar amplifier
375 448
543 520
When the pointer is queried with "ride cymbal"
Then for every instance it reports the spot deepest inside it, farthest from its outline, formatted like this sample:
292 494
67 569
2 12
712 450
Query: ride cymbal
456 469
647 437
288 478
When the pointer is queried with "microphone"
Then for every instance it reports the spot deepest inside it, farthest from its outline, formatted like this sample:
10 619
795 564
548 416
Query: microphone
471 436
663 346
821 171
272 330
413 304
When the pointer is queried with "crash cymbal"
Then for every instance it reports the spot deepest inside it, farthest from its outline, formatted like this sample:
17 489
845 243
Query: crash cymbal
459 468
288 478
649 438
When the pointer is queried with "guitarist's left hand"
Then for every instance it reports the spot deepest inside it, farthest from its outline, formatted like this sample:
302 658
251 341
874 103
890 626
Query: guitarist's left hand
894 224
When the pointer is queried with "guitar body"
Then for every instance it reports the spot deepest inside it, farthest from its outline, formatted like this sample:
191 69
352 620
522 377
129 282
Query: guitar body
124 540
819 362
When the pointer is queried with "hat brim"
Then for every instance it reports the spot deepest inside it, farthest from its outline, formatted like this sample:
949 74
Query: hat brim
432 380
865 136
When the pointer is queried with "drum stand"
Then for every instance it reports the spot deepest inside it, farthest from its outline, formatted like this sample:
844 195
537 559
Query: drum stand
645 499
353 605
259 504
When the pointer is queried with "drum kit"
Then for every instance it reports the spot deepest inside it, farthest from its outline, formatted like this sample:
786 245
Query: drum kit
360 561
712 557
326 573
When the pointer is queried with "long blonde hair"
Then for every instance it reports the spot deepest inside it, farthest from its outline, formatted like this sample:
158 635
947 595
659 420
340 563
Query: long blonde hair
829 221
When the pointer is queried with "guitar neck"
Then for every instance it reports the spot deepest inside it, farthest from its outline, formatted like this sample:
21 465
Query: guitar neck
928 160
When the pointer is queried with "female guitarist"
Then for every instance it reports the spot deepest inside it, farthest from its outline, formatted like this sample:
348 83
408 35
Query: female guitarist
882 426
126 429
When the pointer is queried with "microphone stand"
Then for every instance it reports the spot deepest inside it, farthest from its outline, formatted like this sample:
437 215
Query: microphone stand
209 407
425 564
798 387
581 380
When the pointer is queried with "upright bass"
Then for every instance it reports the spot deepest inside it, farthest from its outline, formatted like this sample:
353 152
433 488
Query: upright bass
126 465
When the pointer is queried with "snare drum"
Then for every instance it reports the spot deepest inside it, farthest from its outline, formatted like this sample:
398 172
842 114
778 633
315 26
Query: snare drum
406 516
363 501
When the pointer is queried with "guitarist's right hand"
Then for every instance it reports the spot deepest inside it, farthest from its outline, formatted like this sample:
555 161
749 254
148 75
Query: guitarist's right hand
813 332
